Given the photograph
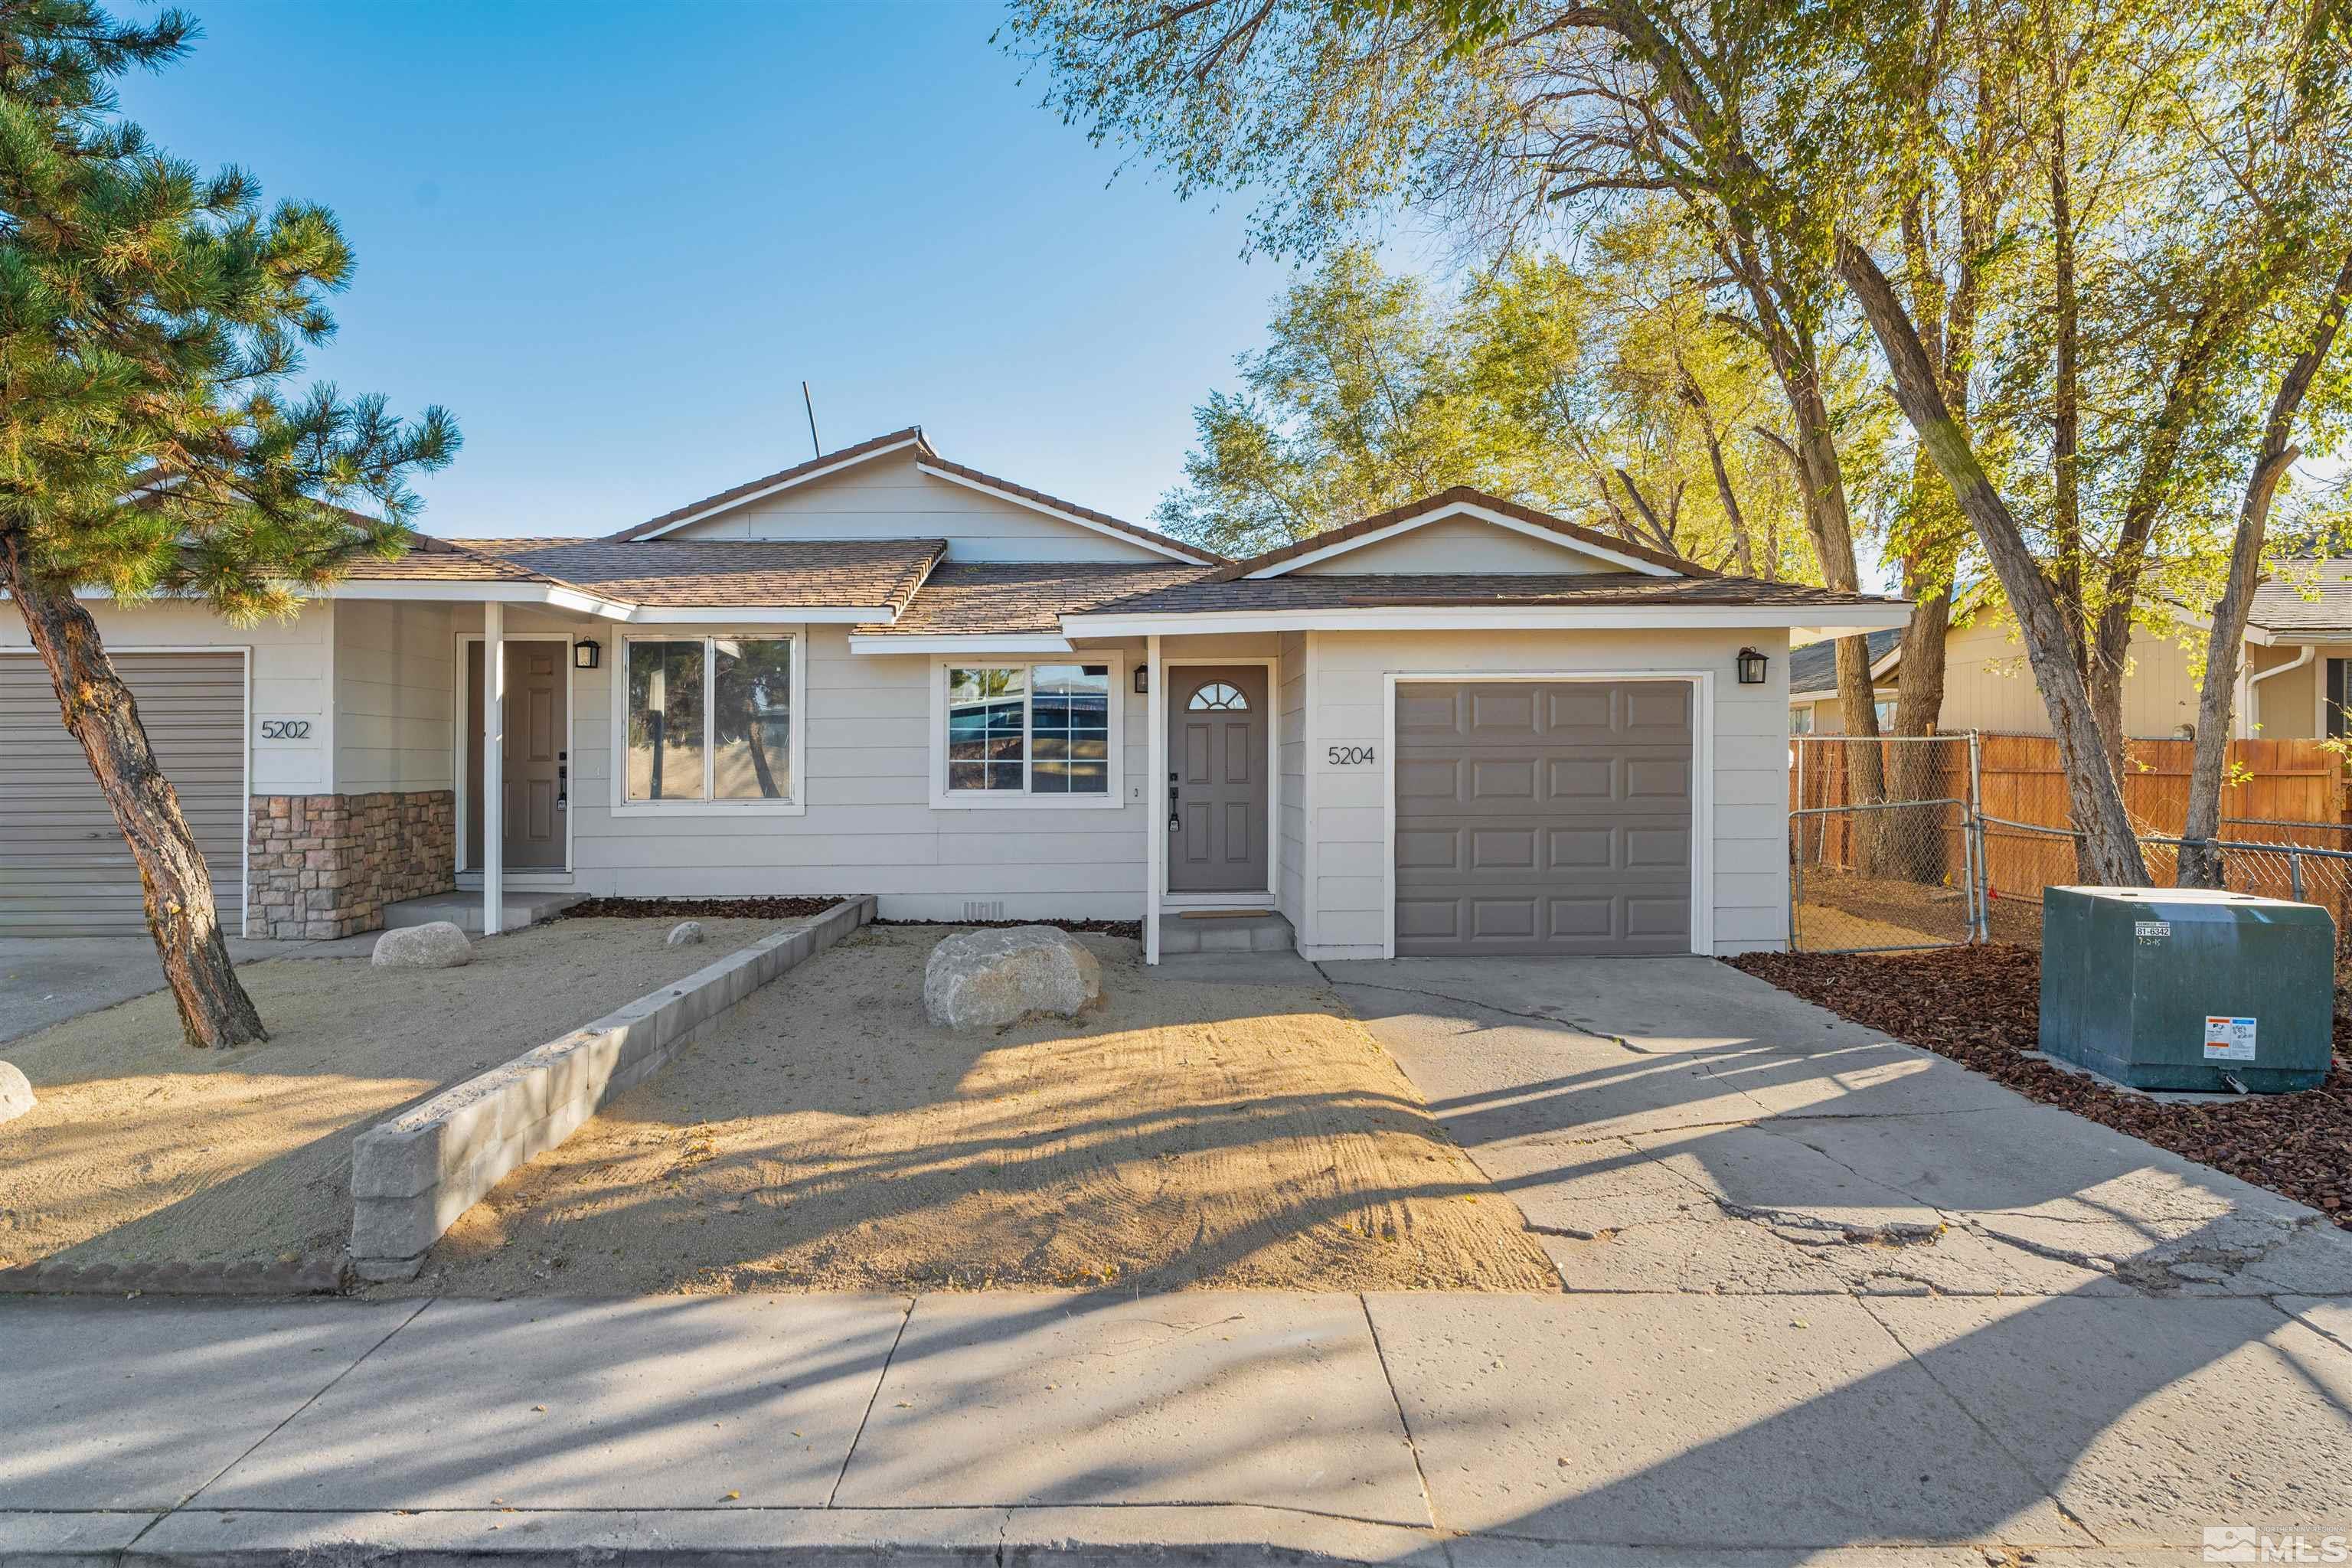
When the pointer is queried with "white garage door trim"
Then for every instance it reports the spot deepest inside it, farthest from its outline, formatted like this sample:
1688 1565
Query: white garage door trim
1702 681
244 652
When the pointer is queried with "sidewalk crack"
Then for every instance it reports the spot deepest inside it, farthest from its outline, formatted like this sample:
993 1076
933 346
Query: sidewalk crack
871 1400
324 1389
2025 1470
1404 1422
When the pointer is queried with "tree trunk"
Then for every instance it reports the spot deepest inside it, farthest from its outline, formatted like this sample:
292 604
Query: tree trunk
2200 863
99 712
2108 851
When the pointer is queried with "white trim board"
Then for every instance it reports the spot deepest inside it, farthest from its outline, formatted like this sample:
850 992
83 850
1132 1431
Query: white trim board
1702 921
1567 544
1271 727
963 643
1828 620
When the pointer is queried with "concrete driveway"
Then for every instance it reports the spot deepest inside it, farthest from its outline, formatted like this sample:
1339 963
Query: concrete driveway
1775 1227
45 980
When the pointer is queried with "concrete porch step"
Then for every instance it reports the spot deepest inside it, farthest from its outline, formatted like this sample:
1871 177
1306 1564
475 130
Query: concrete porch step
1254 931
520 910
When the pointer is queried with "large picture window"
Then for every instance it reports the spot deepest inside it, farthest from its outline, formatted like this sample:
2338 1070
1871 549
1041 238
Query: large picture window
1025 729
708 719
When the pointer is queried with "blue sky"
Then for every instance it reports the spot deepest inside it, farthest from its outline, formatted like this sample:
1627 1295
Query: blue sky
613 240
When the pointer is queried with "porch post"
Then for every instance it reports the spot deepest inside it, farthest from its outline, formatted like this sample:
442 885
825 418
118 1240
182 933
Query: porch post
1155 798
494 740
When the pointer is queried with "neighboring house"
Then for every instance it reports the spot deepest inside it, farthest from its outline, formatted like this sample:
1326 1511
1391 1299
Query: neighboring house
1459 727
2298 640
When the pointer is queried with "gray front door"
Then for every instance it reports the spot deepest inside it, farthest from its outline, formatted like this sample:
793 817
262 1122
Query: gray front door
535 764
1543 817
1217 767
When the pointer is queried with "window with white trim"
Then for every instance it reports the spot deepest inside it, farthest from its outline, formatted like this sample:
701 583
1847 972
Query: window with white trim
707 719
1037 728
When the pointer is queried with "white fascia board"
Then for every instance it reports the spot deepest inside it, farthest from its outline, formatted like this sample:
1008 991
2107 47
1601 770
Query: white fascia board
797 480
1173 550
1483 514
759 615
549 594
976 642
1851 620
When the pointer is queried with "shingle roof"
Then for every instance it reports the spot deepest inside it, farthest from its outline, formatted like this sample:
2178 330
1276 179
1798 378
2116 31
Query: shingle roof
2305 597
431 560
1021 599
1466 494
684 573
1218 592
1813 668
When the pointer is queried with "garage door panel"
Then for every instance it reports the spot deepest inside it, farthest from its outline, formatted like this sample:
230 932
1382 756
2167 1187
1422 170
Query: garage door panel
64 870
1543 817
1439 919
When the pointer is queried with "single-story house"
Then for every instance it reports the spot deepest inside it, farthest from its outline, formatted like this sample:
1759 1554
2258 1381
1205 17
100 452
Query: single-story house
1459 727
2298 643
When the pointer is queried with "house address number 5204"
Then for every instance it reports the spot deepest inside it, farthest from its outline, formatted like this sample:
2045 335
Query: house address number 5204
1349 756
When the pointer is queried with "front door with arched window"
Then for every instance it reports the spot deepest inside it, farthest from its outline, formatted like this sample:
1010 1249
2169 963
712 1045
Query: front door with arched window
1218 766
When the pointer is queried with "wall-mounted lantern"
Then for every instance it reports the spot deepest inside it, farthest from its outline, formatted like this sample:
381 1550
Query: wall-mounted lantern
1751 667
1142 679
586 655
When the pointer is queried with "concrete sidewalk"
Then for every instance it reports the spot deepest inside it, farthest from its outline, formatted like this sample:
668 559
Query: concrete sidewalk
1467 1429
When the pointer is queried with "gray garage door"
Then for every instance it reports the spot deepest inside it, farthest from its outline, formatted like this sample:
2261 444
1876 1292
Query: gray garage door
64 870
1543 817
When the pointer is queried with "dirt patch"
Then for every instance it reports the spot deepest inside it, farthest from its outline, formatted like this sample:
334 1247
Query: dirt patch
764 908
826 1136
1981 1007
142 1150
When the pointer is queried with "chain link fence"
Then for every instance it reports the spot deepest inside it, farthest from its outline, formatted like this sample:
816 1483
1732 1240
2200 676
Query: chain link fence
2309 862
1884 842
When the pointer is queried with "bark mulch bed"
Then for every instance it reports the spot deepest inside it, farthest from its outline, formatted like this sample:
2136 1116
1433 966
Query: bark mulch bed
697 908
1131 930
1981 1007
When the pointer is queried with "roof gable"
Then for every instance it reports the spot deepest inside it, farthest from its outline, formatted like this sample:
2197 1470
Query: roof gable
1372 544
912 490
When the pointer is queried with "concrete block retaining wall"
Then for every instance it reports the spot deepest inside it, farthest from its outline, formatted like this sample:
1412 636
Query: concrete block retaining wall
413 1176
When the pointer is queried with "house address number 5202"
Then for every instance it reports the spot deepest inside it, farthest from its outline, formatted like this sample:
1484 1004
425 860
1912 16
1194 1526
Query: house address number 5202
1349 756
286 728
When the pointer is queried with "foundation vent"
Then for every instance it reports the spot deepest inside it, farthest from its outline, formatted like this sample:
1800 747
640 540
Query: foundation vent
983 909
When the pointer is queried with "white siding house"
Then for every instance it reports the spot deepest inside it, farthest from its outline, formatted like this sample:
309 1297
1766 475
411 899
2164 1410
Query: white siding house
1459 727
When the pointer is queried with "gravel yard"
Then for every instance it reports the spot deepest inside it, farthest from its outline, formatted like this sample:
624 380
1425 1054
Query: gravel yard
826 1136
1981 1006
144 1151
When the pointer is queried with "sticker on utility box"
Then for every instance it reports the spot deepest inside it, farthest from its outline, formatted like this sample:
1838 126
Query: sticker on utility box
2229 1040
2152 931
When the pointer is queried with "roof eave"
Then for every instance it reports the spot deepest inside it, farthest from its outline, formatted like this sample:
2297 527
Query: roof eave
1834 620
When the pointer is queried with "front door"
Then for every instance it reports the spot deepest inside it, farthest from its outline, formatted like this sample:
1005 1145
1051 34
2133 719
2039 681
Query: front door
1217 768
535 762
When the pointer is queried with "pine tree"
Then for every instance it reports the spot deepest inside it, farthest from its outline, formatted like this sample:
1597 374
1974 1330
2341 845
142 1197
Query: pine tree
149 320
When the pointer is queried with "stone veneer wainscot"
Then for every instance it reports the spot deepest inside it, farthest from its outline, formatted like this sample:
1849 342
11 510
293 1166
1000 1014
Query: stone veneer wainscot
326 865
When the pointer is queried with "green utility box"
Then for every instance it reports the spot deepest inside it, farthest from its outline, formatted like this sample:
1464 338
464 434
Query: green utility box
2188 988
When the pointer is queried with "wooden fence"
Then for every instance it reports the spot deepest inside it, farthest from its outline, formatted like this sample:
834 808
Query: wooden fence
2284 791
